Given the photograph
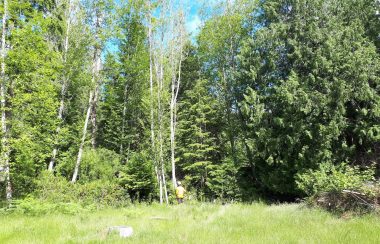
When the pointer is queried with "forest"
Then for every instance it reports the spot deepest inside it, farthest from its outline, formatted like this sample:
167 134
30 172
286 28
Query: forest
107 101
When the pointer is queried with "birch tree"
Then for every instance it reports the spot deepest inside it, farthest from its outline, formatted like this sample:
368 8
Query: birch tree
65 80
98 47
98 15
157 36
178 39
80 151
151 103
5 149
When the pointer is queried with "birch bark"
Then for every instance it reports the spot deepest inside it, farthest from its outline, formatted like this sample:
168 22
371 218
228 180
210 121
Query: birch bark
77 165
91 110
176 81
65 81
96 72
123 121
4 139
152 127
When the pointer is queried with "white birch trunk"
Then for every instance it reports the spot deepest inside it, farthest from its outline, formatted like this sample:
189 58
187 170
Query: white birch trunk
164 183
64 86
150 39
123 120
172 136
152 125
160 76
4 140
161 191
77 165
176 81
96 71
92 100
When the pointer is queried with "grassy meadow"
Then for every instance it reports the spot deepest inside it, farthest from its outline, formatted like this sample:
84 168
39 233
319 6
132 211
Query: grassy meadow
199 223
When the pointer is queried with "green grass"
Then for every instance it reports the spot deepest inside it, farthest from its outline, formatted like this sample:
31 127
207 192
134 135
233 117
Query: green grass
201 223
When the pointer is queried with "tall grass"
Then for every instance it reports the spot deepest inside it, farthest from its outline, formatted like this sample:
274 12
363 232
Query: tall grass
199 223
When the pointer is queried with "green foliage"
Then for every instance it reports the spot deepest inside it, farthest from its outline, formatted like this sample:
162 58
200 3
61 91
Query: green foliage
334 178
35 207
196 143
273 98
32 65
137 177
97 193
222 181
123 110
341 188
99 164
313 91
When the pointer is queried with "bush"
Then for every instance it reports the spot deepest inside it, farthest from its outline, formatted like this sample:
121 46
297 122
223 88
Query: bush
99 164
341 188
54 189
101 193
34 207
137 177
332 178
54 194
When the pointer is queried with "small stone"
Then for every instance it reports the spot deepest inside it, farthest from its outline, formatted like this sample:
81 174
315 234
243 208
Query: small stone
124 231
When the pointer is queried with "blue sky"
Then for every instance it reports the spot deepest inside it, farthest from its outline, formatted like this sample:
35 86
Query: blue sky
193 20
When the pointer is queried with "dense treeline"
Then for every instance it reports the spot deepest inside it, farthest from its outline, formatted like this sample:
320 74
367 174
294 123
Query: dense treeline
268 95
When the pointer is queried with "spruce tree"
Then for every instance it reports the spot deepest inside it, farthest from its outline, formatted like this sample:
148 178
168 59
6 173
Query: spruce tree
196 135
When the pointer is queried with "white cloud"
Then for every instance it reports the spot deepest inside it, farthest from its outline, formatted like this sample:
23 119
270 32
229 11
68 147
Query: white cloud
193 23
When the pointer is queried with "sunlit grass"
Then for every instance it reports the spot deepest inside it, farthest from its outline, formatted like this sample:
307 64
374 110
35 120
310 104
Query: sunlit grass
199 223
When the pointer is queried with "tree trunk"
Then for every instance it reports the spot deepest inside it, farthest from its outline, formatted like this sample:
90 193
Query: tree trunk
160 138
150 39
93 116
63 88
77 165
96 72
123 121
176 81
4 140
161 191
160 75
172 137
164 182
172 117
92 103
152 127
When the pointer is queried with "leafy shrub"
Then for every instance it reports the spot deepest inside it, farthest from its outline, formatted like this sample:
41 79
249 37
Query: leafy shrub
54 194
99 164
34 207
101 193
341 188
54 189
332 178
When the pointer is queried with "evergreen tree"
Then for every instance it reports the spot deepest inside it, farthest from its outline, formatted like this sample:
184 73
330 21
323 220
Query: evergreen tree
197 139
313 93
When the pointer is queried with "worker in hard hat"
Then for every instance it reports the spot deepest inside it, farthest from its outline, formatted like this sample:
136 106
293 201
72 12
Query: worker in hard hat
180 192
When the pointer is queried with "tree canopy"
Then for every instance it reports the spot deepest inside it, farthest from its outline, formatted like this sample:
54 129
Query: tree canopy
262 97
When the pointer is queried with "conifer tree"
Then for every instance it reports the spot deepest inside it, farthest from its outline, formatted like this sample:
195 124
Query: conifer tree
197 140
313 94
